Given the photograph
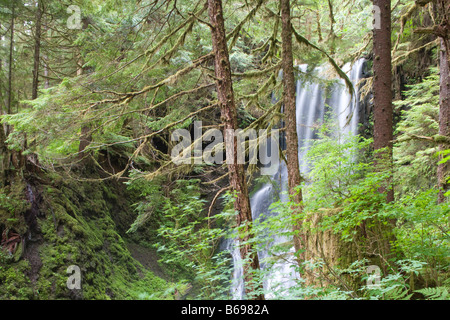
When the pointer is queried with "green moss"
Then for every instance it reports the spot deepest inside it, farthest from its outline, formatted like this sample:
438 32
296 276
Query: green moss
149 288
12 204
14 284
78 229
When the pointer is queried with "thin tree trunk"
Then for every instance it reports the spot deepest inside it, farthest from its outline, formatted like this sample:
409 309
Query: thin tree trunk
46 74
382 90
10 67
294 177
236 170
37 49
86 136
4 135
36 64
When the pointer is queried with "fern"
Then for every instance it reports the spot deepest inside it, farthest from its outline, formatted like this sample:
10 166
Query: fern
398 293
436 293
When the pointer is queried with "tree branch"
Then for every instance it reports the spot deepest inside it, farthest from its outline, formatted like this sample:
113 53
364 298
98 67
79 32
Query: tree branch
438 139
303 40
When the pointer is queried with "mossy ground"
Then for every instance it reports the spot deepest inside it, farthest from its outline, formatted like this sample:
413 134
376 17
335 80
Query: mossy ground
82 224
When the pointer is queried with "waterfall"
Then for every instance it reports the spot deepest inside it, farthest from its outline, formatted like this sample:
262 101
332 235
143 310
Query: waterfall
312 103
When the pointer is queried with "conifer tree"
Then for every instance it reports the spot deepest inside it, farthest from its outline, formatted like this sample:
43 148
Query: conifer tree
293 167
236 170
382 82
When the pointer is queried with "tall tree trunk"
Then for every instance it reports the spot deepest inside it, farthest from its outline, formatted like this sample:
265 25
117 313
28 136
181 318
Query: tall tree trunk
444 94
2 126
10 66
85 137
382 82
6 154
37 49
444 107
36 66
294 178
376 234
1 67
236 170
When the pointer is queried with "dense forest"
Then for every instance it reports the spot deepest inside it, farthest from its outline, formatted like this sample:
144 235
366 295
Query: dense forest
223 149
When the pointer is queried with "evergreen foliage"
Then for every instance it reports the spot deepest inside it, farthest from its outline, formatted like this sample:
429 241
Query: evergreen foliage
86 173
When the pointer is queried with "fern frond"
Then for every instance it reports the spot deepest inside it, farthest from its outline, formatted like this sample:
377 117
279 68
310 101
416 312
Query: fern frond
436 293
398 293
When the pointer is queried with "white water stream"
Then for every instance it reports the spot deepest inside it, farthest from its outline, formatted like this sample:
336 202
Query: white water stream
312 103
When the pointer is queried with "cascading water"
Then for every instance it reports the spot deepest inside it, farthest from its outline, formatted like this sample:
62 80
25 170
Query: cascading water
312 105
